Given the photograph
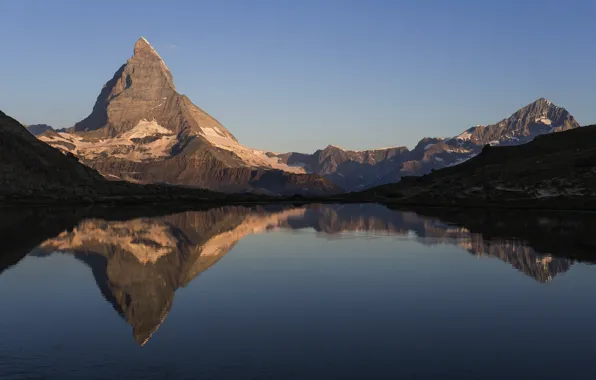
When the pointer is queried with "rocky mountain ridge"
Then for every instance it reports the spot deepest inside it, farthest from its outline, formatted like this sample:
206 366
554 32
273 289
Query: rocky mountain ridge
357 170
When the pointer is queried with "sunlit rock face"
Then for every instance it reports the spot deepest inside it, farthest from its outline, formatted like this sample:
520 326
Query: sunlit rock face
139 264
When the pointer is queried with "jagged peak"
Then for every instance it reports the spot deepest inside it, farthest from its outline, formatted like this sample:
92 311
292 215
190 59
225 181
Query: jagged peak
143 46
145 52
540 106
542 103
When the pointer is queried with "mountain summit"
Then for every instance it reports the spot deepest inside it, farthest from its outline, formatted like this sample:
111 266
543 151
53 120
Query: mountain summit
143 47
143 89
537 118
142 130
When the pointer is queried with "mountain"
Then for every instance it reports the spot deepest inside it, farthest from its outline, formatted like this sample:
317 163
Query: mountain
356 170
555 171
142 130
38 129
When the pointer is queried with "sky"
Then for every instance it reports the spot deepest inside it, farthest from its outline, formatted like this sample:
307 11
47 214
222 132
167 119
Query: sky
299 75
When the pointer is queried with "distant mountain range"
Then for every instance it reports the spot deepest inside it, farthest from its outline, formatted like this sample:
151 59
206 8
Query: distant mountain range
357 170
142 130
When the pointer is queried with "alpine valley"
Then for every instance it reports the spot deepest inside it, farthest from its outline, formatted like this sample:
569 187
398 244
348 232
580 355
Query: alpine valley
142 130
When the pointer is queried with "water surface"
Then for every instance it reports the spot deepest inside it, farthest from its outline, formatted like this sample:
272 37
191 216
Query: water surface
314 292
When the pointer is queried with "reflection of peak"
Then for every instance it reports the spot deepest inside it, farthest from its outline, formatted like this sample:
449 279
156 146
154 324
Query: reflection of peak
523 258
139 264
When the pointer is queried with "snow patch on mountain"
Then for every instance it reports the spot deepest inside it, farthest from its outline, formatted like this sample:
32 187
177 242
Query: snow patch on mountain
251 157
543 120
464 136
129 145
146 128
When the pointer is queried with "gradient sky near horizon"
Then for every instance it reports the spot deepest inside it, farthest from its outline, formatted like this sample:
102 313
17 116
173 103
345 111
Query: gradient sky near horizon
299 75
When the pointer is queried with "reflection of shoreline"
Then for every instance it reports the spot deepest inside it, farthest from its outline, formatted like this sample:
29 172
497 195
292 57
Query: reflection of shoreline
139 264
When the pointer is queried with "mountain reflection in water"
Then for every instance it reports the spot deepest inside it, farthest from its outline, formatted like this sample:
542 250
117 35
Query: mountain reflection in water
139 263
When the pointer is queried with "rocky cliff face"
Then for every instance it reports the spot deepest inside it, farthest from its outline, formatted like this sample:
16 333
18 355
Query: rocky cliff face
357 170
142 130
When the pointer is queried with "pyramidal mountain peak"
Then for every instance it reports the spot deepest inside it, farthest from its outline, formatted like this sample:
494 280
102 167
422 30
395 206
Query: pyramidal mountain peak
142 45
145 50
142 130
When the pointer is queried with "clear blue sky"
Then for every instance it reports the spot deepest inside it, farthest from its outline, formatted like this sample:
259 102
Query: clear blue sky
299 75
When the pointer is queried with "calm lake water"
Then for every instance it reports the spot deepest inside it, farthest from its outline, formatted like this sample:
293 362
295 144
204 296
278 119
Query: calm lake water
315 292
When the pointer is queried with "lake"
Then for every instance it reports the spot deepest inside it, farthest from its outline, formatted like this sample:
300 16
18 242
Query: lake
308 292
